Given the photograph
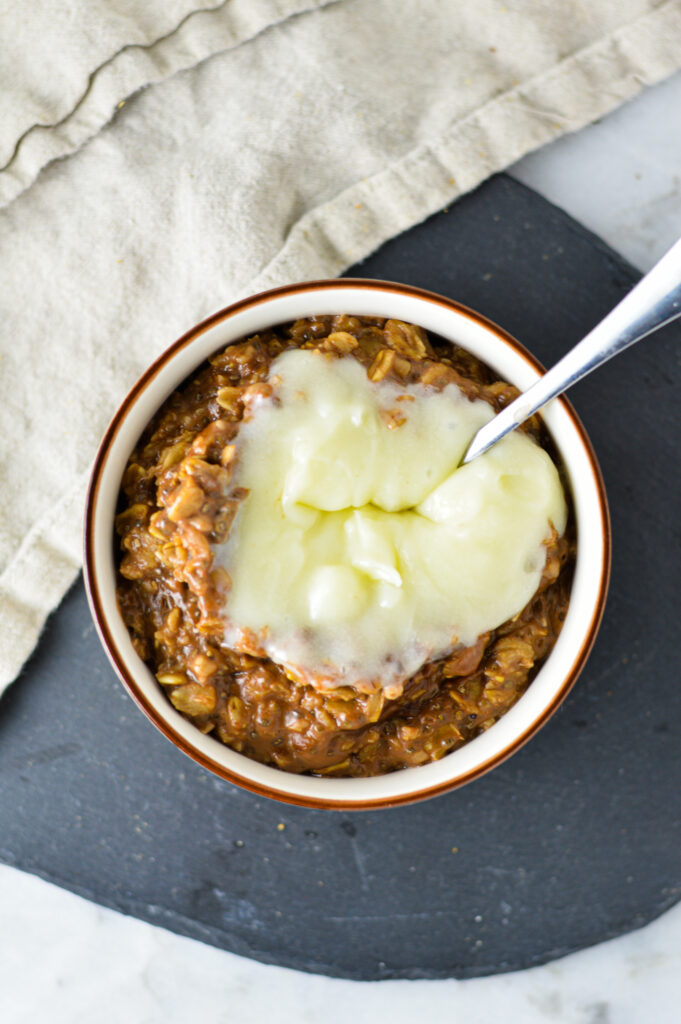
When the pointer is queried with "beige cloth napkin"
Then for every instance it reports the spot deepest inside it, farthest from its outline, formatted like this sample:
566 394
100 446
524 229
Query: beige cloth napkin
290 156
66 66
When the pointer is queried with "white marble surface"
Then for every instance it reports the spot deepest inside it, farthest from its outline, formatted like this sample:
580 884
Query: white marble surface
68 961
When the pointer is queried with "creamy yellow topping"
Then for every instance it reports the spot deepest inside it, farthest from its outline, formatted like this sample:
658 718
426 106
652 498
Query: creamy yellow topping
361 550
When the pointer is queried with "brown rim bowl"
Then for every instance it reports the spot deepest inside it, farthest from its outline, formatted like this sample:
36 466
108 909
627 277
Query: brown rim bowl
513 363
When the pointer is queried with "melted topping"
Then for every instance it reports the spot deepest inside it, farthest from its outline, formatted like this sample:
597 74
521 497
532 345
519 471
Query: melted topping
361 551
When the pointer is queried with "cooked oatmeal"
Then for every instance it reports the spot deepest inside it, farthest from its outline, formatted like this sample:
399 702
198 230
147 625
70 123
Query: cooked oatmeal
182 499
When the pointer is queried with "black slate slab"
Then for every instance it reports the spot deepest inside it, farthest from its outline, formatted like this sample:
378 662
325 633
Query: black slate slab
576 839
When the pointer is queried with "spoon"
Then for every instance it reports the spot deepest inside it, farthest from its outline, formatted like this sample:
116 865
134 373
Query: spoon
652 303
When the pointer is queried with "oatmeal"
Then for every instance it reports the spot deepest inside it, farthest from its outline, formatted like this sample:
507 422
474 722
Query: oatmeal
306 571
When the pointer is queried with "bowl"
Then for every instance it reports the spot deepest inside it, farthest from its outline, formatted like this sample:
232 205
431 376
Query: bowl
453 322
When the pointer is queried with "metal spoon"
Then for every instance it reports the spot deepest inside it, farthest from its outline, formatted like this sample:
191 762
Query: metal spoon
652 303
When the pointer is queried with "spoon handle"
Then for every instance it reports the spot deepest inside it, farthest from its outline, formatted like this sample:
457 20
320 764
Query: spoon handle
652 303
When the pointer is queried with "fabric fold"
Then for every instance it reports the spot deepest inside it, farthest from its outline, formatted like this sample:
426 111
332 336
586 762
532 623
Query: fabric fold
53 106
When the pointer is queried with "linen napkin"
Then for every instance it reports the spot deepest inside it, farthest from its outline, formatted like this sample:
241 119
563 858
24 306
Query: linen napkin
288 157
66 66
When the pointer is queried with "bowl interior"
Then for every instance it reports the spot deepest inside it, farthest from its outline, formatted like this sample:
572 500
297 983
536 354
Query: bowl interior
512 363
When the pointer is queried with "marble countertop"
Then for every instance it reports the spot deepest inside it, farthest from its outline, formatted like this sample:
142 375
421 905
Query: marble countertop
77 962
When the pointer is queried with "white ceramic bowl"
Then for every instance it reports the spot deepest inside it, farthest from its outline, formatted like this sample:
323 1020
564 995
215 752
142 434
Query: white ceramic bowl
512 363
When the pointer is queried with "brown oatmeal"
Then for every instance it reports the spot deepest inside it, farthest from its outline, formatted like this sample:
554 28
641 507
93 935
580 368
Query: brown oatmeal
178 500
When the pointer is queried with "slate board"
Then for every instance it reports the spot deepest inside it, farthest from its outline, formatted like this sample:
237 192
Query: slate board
572 841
